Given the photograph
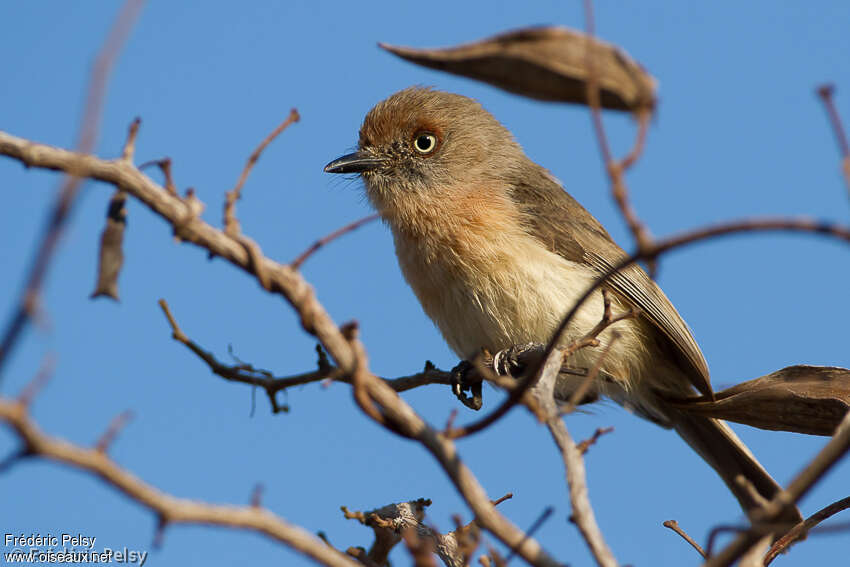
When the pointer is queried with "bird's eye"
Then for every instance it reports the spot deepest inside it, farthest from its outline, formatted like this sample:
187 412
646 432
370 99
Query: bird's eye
425 143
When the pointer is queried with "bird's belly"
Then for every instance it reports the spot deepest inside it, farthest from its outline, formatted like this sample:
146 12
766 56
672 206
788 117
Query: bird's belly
516 296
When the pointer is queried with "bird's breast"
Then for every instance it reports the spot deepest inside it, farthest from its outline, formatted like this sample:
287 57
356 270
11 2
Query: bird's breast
495 291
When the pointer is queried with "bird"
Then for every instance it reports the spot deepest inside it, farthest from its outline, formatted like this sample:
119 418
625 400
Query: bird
497 252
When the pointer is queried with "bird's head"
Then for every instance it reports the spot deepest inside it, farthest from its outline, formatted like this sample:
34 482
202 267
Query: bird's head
426 145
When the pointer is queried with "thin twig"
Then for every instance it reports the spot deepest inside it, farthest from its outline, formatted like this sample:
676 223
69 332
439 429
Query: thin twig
592 374
507 496
231 225
115 426
38 382
643 117
800 531
674 525
296 263
66 198
257 496
615 169
584 446
164 166
536 525
247 374
763 518
825 92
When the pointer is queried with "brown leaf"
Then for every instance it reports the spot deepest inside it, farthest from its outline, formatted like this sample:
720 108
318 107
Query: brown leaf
803 399
111 253
546 63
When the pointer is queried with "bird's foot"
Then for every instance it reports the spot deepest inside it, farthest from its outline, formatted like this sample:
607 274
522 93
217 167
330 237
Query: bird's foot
517 359
465 378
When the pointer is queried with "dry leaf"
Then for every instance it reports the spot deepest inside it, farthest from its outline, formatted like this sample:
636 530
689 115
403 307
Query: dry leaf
546 63
803 399
111 248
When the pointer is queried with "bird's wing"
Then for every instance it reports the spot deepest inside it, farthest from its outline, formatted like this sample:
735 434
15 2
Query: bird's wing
565 227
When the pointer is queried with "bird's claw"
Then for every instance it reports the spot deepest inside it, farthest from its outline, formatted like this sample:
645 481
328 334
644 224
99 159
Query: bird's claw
466 379
515 360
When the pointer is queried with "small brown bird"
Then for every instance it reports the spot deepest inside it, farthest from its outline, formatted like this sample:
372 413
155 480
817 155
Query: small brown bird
497 253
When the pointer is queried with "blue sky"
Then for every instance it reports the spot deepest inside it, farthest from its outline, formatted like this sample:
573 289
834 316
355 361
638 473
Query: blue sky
739 132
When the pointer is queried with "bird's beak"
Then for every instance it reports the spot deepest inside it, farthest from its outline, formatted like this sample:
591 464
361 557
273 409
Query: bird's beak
358 162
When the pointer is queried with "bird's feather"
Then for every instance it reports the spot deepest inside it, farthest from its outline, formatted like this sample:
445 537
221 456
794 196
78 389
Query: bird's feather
579 237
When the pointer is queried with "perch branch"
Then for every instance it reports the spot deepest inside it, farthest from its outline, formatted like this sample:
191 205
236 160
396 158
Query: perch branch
544 392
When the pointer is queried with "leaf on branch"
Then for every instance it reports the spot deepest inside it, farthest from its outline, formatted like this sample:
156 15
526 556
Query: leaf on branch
545 63
802 399
111 256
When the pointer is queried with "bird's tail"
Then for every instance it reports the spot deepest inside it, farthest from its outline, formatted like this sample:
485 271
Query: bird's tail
715 441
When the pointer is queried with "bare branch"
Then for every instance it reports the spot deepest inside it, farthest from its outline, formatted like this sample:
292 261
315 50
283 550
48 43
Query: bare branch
164 165
296 263
825 92
115 426
507 496
66 198
801 530
360 379
585 445
616 169
169 509
288 283
836 448
247 374
231 225
582 515
31 390
257 497
674 525
405 521
130 144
